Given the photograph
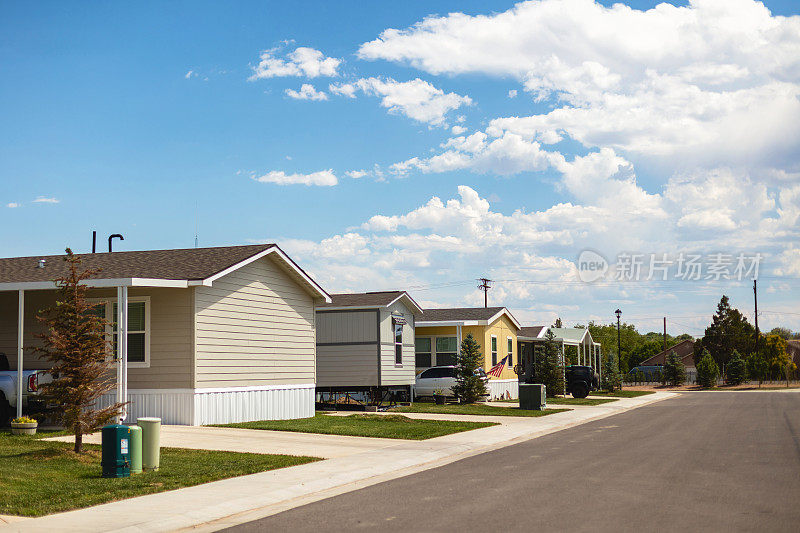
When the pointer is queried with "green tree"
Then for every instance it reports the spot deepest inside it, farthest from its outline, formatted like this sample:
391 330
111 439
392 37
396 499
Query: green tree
737 369
557 323
707 370
774 350
757 367
75 343
612 378
729 330
674 372
469 386
548 366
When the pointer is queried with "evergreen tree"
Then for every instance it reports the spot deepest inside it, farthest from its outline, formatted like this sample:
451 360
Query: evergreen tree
75 343
737 369
707 371
729 330
470 386
548 366
612 379
674 372
558 323
757 366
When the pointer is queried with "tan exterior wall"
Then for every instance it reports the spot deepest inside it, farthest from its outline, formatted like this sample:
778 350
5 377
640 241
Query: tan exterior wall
254 326
170 334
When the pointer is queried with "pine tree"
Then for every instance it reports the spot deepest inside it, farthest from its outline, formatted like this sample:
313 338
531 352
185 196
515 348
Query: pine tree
75 343
729 330
612 379
707 371
470 385
737 369
674 372
548 366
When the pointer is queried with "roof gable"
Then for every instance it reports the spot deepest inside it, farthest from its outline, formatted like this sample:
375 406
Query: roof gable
482 315
371 300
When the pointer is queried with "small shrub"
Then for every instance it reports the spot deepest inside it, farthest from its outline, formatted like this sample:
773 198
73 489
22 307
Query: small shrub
707 371
612 379
737 369
674 373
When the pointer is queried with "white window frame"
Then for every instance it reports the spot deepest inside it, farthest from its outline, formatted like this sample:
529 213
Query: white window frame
493 349
432 352
398 345
435 352
109 307
510 351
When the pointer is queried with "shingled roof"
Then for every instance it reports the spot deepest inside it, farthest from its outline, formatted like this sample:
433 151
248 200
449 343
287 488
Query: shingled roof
369 299
684 350
179 265
465 314
531 331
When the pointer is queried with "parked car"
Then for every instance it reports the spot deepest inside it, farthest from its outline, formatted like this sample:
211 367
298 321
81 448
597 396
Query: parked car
8 390
439 378
581 380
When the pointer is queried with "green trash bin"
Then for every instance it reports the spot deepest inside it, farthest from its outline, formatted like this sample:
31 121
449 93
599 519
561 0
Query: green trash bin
115 455
532 396
136 449
151 442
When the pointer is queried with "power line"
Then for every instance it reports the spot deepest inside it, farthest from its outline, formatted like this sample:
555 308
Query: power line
484 286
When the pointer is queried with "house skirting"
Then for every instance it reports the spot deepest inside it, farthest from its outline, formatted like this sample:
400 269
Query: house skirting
197 407
503 388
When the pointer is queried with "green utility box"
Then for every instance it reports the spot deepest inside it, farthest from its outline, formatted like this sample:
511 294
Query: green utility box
532 397
151 442
116 451
136 449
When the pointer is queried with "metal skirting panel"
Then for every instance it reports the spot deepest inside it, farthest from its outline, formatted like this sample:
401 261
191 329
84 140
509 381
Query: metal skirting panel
226 407
198 407
503 388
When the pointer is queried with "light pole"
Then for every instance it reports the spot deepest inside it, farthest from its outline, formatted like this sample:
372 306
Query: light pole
619 343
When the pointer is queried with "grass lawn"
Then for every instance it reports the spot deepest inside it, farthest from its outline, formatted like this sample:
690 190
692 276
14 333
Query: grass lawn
39 477
472 409
572 401
623 393
366 425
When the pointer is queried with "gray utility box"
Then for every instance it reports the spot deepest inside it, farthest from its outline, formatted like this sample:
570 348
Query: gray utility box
532 397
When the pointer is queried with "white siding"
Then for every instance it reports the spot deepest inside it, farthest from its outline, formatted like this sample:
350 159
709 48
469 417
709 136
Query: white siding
254 326
392 374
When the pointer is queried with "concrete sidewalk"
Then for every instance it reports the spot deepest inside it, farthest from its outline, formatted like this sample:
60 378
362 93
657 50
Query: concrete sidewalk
212 506
259 441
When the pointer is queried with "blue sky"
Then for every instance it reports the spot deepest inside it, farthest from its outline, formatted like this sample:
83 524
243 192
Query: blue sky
629 131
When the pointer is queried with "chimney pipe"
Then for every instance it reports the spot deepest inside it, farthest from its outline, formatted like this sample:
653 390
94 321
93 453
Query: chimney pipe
94 241
112 237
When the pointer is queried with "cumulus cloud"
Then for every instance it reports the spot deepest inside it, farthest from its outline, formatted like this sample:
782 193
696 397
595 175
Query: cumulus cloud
306 92
323 178
416 99
302 61
710 83
512 93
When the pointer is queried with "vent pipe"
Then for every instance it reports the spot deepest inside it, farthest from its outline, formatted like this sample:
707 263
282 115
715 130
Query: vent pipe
94 241
112 237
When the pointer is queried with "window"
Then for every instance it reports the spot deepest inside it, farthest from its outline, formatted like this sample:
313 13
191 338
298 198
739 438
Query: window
423 352
446 350
398 343
510 352
138 329
494 350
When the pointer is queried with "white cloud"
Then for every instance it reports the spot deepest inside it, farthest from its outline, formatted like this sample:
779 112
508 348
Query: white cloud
46 200
323 178
190 74
12 205
356 174
458 130
416 99
512 93
303 61
712 83
306 92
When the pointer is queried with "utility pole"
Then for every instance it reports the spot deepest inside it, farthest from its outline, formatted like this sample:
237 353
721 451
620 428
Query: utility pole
755 302
484 286
619 339
665 334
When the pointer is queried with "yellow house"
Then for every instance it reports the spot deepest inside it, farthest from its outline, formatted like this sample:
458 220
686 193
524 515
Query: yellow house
439 333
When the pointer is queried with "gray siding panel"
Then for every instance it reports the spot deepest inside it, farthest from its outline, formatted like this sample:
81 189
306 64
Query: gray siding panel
346 326
347 366
254 326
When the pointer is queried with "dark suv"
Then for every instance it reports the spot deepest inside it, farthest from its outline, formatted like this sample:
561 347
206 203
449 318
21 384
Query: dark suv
581 380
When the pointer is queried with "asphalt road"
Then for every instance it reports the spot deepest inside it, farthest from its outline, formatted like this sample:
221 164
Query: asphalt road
713 461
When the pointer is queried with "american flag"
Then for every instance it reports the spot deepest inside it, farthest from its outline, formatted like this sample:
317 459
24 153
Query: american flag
498 368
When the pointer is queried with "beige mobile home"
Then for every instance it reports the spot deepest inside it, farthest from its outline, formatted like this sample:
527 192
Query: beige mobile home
365 342
214 335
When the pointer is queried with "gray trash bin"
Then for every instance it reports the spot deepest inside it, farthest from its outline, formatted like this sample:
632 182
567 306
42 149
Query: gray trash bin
532 396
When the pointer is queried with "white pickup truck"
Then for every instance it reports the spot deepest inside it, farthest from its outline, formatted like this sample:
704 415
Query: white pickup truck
8 391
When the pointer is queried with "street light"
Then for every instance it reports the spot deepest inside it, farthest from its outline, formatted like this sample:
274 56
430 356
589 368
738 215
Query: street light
619 343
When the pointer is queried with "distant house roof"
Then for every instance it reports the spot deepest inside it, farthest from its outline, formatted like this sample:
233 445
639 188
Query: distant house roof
370 300
684 349
167 268
532 332
465 316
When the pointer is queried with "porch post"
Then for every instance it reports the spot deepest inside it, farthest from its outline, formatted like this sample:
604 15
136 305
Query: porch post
20 332
122 347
